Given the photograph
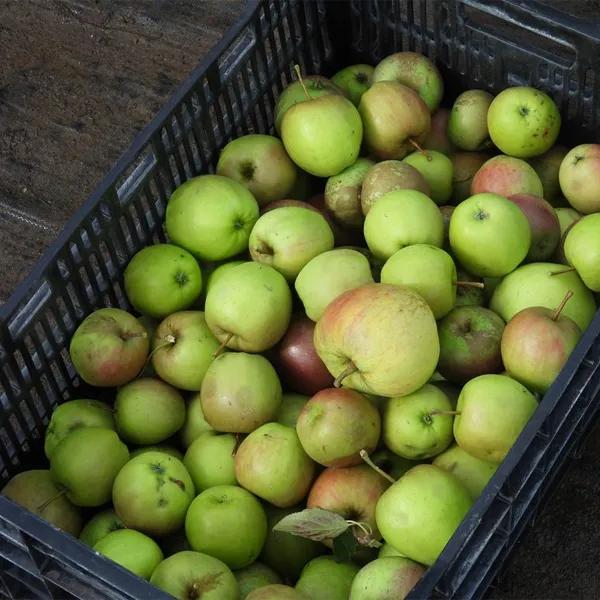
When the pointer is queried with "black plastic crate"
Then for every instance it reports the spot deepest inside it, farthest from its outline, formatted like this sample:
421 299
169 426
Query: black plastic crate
477 43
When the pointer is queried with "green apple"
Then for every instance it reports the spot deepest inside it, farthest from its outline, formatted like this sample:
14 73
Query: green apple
387 578
211 216
416 426
36 491
465 165
420 529
75 467
219 271
240 392
427 270
582 250
249 308
544 284
227 522
195 424
579 179
437 170
261 164
467 125
74 414
489 235
271 463
401 218
132 550
275 591
523 121
326 577
506 176
170 450
291 407
328 275
162 279
190 575
547 166
100 525
355 80
566 218
255 576
287 238
209 460
148 411
472 472
493 410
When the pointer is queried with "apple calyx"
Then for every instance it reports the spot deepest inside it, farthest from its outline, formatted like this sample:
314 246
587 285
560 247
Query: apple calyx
420 149
299 74
351 368
50 500
223 345
560 307
365 456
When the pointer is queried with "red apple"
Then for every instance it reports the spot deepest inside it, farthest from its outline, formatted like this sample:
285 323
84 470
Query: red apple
506 176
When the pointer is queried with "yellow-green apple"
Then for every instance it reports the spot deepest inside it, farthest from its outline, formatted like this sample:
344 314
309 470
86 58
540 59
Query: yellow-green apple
437 170
438 134
401 218
387 578
101 524
472 472
579 178
254 576
218 272
506 175
261 164
209 460
275 591
240 392
544 284
465 165
492 412
582 250
182 348
328 275
109 348
249 308
355 80
395 118
547 166
523 121
189 574
287 238
195 424
415 71
469 295
470 343
211 216
467 126
566 218
489 235
388 365
271 463
418 529
291 407
336 424
326 577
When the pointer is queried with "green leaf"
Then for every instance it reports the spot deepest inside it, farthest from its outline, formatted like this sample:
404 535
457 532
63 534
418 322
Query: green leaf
313 523
345 545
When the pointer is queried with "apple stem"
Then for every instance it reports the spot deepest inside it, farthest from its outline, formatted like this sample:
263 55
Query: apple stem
569 270
420 149
223 345
365 456
44 504
299 74
557 312
445 412
238 441
169 340
474 284
351 368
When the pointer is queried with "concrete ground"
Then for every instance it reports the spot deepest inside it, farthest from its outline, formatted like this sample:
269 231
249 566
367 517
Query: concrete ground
78 79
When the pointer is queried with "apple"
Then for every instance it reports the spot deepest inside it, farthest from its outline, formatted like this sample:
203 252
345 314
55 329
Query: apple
493 410
579 178
195 424
419 529
489 235
271 463
544 284
211 216
296 360
472 472
227 522
336 424
240 392
401 218
132 550
342 193
249 308
415 71
261 164
326 577
291 407
152 493
328 275
427 270
470 339
162 279
36 491
506 176
255 576
182 349
467 125
218 272
387 176
523 121
395 119
191 575
388 578
352 492
275 591
100 525
148 411
465 165
209 460
109 348
437 170
170 450
380 339
566 218
547 166
75 467
438 134
582 250
469 295
74 414
355 80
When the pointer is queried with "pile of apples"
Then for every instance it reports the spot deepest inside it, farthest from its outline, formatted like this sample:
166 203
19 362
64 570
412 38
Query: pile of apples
349 328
